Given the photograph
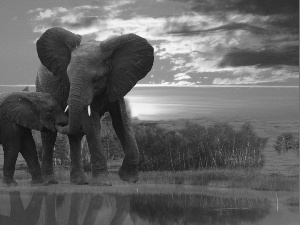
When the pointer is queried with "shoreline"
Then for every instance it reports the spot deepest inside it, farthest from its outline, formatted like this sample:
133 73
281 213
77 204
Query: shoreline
251 179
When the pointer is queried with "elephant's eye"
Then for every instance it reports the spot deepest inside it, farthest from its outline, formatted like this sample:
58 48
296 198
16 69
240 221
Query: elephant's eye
95 79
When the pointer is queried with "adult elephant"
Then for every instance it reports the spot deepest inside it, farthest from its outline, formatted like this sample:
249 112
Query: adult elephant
91 78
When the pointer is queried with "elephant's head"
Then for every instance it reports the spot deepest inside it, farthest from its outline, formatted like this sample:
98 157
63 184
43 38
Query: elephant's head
111 67
37 111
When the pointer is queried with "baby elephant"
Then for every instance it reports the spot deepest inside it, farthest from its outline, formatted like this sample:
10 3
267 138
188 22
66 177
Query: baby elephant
20 112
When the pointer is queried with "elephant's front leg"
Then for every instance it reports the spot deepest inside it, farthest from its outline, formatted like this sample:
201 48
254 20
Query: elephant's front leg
122 126
91 126
11 151
77 175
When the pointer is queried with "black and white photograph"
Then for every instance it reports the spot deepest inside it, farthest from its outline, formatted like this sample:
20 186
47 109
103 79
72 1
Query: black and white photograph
149 112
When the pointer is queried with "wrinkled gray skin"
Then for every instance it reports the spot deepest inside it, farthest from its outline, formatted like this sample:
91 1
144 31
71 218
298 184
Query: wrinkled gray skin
95 74
20 112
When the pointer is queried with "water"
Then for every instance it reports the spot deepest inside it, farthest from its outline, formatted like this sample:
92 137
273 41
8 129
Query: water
165 103
34 208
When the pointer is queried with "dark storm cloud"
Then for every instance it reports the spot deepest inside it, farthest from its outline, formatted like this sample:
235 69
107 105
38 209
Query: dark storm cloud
285 12
286 24
256 7
288 56
83 22
274 27
184 29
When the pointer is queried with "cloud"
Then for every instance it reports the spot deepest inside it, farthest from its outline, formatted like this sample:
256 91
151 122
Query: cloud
86 7
49 13
46 14
243 81
76 22
116 5
181 76
205 39
148 27
35 10
252 75
238 80
262 58
272 17
74 19
255 7
227 27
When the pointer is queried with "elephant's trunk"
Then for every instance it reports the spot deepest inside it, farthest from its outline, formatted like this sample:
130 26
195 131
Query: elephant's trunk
78 99
75 115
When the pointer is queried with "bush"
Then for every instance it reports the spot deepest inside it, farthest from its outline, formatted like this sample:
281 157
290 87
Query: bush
197 147
287 141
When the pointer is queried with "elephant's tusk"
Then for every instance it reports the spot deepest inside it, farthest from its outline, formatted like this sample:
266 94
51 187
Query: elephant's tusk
89 110
67 108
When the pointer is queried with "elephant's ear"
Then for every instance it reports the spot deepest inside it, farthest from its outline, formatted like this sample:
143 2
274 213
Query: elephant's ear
54 49
21 110
131 59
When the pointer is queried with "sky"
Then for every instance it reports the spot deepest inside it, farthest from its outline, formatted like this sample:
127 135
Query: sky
210 42
222 42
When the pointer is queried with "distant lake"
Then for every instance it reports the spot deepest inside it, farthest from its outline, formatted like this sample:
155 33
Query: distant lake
165 103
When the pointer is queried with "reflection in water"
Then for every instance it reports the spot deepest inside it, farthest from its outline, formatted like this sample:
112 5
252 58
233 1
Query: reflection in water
199 209
19 215
113 209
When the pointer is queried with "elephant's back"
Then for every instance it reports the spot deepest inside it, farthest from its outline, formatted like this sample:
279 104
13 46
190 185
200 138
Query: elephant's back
3 96
45 81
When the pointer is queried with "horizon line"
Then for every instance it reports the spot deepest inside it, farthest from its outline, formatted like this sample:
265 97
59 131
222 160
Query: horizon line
215 85
186 86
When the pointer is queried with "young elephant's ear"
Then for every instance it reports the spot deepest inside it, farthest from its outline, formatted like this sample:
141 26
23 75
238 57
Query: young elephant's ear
131 58
54 49
19 109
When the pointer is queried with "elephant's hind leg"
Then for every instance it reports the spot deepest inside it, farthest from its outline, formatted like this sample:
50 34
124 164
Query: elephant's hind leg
77 175
29 153
10 158
48 141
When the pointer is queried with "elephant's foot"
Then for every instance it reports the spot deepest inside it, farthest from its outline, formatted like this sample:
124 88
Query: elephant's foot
10 182
100 180
131 176
49 179
78 178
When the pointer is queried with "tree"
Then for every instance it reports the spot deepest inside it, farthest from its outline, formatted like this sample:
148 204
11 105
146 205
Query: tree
196 147
61 154
287 141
